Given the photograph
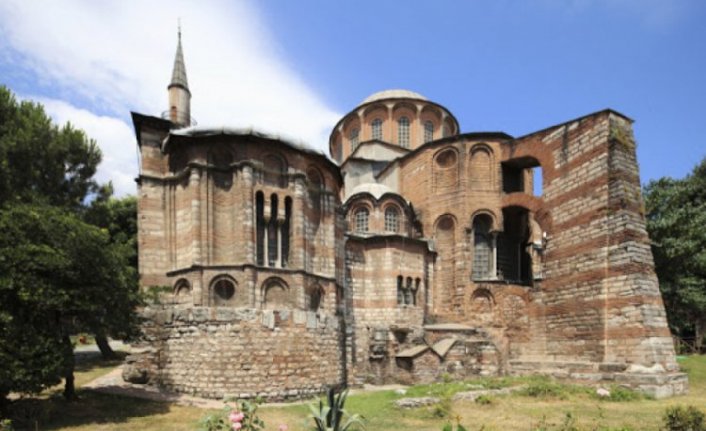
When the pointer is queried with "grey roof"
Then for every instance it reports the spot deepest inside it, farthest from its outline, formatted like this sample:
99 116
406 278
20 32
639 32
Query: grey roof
442 347
393 94
412 351
197 131
179 70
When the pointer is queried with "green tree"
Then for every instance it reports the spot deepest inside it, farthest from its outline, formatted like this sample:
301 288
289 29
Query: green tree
118 217
676 222
57 274
41 162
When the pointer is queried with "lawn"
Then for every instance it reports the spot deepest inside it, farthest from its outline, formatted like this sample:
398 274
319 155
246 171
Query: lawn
543 405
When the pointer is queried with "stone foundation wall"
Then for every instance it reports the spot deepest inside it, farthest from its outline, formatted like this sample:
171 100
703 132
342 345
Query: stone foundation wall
242 352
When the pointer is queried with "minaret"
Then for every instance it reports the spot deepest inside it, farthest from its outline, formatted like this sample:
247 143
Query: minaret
179 94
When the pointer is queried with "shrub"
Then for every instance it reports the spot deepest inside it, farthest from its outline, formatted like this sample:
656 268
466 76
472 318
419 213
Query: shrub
241 417
679 418
484 400
544 389
444 407
459 427
331 417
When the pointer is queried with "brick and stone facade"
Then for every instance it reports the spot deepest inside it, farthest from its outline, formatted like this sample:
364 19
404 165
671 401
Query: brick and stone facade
419 252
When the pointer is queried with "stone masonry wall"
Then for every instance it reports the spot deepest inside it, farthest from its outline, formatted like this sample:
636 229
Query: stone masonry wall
600 298
244 352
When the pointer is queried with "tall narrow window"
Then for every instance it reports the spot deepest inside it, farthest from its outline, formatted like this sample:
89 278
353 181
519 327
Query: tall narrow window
408 300
392 220
403 132
377 129
361 220
428 131
355 138
286 229
417 283
482 247
400 290
260 228
272 234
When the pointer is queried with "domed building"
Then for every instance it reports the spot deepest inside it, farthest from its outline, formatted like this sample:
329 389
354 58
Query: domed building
413 251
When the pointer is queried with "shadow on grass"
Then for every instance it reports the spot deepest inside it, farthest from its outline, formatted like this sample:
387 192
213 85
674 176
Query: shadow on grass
92 408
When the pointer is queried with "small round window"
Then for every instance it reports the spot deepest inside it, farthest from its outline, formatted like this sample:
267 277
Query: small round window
446 158
224 290
446 223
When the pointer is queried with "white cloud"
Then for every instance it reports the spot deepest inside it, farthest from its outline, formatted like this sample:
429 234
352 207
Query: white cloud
104 59
116 138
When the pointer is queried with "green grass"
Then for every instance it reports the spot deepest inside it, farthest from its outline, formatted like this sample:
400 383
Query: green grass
543 404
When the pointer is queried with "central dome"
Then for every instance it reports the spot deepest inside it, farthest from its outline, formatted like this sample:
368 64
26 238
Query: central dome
393 94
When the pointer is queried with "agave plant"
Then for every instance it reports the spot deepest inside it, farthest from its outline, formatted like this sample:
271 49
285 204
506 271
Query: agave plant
331 417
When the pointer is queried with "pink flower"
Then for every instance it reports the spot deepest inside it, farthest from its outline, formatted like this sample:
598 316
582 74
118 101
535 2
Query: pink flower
283 427
237 426
239 417
234 415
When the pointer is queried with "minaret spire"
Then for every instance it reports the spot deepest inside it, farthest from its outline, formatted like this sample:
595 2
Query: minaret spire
179 94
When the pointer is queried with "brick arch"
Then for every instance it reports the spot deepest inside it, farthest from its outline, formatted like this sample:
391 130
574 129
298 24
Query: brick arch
399 108
220 156
275 169
481 167
182 291
531 148
493 217
432 111
367 203
315 297
445 244
276 294
445 168
315 178
534 204
482 298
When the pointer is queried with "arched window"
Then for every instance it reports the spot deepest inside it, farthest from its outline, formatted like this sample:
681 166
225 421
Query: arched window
482 247
260 228
417 283
403 132
445 173
481 168
223 291
354 138
315 298
182 292
376 125
428 131
361 220
273 233
409 292
276 295
400 290
392 219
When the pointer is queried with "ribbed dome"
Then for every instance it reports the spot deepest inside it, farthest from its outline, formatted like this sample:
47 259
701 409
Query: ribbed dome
393 94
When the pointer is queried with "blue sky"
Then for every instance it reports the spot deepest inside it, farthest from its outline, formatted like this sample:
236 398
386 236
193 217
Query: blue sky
295 66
